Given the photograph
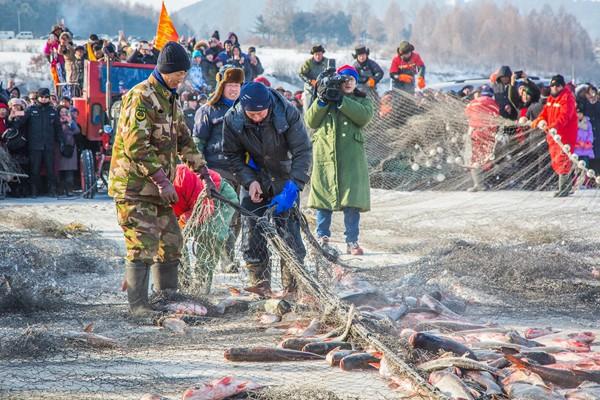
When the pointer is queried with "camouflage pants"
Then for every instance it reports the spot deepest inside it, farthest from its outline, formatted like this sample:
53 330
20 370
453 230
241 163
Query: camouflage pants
151 232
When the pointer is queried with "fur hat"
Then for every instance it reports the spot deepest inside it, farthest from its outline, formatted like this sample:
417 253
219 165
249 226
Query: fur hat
227 74
361 50
318 48
405 47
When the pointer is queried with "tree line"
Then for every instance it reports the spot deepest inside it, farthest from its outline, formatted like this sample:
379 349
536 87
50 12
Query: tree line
483 34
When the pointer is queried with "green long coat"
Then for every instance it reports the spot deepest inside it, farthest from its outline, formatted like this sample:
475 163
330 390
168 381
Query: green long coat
340 175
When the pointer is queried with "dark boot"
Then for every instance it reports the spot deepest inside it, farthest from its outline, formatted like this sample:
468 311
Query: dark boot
288 280
564 186
137 274
164 277
34 190
259 277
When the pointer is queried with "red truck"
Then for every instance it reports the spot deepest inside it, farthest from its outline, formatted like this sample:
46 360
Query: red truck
99 106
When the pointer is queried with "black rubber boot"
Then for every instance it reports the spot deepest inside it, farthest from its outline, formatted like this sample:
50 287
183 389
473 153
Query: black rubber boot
137 274
164 277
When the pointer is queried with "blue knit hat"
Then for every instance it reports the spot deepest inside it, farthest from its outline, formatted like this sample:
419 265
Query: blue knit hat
196 53
486 90
348 70
255 96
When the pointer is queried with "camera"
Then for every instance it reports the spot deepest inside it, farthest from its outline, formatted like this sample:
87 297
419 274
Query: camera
329 86
518 74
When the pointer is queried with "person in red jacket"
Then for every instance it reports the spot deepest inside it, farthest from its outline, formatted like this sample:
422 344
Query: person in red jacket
482 112
407 69
559 113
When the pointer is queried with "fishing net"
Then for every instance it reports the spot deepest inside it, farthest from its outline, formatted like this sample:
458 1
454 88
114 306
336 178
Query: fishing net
511 251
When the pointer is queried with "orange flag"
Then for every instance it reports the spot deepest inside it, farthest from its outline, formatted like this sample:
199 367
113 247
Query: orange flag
165 31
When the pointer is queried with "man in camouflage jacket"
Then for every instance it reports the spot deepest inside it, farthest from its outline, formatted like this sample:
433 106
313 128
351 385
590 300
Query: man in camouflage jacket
151 134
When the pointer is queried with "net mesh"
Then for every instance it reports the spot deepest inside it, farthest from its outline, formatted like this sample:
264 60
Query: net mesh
511 252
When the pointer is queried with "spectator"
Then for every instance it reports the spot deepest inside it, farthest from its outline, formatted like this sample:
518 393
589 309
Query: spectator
522 95
209 70
208 135
254 67
369 72
109 52
97 49
310 71
500 82
466 92
43 127
340 174
145 54
195 75
559 113
238 59
233 38
122 56
584 146
226 53
66 101
56 60
73 64
14 93
535 108
482 113
32 97
66 153
189 111
89 47
15 140
269 151
407 66
592 111
4 111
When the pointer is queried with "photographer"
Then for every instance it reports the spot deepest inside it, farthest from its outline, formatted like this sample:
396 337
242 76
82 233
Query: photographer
522 94
340 176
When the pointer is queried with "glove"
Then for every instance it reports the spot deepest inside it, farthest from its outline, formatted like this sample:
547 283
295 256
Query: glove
286 199
166 190
405 78
421 82
209 185
371 83
321 93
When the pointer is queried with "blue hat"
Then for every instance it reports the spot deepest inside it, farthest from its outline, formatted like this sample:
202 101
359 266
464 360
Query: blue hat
196 53
486 90
255 96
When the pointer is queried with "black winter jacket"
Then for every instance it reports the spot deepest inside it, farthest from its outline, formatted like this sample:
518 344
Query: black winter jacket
368 69
42 124
279 146
208 133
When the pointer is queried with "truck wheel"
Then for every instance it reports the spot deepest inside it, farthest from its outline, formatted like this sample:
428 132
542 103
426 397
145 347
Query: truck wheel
88 174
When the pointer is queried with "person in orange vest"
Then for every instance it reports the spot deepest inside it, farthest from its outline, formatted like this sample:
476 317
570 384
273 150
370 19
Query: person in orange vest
408 69
560 113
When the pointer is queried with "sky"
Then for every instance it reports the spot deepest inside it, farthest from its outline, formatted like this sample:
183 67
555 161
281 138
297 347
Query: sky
172 5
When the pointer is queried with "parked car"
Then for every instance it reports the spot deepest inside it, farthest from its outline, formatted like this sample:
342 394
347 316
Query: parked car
7 34
25 35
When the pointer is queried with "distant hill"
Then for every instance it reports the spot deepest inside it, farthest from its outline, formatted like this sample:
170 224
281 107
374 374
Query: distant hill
240 15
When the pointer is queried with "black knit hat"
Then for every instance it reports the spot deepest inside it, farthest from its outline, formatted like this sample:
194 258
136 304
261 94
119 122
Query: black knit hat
557 80
173 58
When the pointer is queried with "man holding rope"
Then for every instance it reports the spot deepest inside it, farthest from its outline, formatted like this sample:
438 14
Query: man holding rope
269 153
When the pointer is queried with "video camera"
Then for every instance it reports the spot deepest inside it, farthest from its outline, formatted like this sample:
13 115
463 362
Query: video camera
329 83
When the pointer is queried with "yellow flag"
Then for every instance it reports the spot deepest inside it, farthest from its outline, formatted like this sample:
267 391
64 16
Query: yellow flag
165 31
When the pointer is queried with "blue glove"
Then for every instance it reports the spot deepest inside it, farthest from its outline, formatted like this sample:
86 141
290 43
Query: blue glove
286 199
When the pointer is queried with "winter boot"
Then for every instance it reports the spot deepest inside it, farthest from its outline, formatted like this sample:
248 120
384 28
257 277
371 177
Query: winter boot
34 190
354 249
288 281
476 176
259 277
164 278
564 186
137 275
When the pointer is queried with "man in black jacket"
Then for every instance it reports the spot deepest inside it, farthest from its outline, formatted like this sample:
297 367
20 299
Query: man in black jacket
208 135
369 72
145 54
44 132
269 152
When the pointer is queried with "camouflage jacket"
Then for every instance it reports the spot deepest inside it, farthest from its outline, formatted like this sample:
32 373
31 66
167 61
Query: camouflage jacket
151 133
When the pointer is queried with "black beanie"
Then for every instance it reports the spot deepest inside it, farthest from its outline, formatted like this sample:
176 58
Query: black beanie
173 58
